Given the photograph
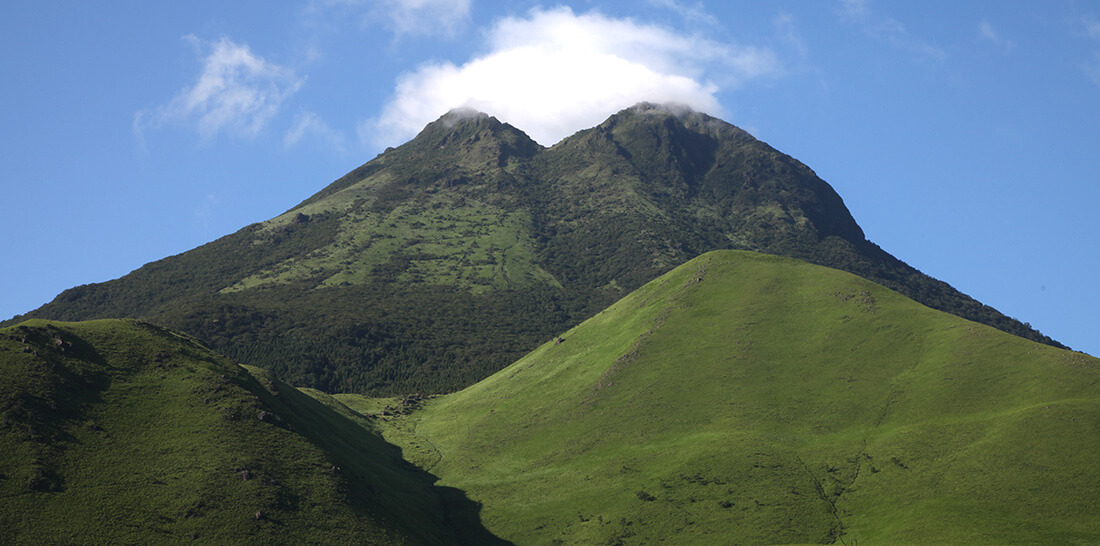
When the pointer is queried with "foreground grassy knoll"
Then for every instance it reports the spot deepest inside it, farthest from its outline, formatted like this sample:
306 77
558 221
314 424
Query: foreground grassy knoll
745 398
121 432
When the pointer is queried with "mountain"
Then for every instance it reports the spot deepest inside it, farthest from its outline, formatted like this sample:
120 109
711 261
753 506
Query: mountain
443 260
747 398
122 432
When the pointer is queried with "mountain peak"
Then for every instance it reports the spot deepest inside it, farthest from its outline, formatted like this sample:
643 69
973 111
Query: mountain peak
676 109
467 127
459 119
648 113
464 113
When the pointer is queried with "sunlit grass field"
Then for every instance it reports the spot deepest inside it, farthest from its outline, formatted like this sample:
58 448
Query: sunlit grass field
745 398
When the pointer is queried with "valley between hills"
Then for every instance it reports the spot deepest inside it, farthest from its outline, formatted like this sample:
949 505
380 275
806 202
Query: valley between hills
658 330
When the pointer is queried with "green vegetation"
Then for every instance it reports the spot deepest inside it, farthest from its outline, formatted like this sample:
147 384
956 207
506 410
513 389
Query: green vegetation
746 398
444 260
739 398
122 432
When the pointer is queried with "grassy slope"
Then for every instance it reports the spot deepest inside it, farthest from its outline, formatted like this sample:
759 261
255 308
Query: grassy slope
117 431
745 398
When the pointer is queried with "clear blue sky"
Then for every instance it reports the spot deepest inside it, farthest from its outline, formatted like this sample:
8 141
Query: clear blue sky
963 136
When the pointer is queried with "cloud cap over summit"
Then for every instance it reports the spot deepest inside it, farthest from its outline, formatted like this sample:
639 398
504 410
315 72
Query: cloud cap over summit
555 72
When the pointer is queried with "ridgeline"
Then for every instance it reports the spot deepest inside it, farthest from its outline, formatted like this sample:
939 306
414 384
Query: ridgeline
445 259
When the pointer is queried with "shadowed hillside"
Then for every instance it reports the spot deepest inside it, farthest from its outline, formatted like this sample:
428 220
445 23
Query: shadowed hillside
121 432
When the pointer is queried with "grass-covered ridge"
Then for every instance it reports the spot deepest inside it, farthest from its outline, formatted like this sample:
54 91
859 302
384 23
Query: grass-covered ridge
745 398
121 432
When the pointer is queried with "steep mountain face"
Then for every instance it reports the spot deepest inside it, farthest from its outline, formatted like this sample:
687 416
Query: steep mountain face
441 261
122 432
744 398
649 189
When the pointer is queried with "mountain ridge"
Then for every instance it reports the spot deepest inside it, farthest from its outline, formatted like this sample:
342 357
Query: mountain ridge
447 257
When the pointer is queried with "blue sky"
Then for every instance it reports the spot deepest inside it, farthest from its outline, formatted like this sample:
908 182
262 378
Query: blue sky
963 136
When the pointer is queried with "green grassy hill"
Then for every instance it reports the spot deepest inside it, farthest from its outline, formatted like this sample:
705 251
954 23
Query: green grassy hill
121 432
445 259
747 398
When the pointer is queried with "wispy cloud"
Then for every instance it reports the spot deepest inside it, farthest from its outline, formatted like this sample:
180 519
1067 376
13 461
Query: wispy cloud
204 211
1092 27
1092 70
555 72
986 30
787 31
989 33
310 124
404 17
237 93
855 9
1092 67
693 14
887 29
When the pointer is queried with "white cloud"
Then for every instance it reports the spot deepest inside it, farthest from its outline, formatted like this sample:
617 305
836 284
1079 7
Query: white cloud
413 17
556 72
236 93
